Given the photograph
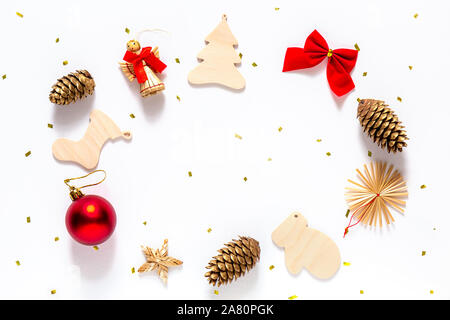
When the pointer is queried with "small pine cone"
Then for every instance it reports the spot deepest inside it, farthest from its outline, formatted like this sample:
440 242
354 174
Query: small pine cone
237 257
72 87
382 125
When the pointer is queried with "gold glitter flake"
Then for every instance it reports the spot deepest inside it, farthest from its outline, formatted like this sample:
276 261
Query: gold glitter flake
28 154
423 186
431 291
416 15
361 291
280 129
245 178
144 223
50 125
18 263
238 136
4 76
56 239
277 9
28 219
132 116
369 153
358 99
399 99
424 253
240 55
127 30
346 214
254 64
269 159
346 264
177 60
357 47
410 67
364 74
57 40
271 267
95 248
216 292
189 173
19 14
293 297
65 62
319 140
178 98
209 230
53 291
133 270
328 153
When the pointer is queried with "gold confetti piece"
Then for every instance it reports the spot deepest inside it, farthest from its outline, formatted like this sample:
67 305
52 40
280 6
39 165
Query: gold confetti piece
423 186
28 154
399 99
28 219
279 129
346 264
238 136
358 99
240 55
276 9
431 291
346 214
18 263
364 74
357 47
424 253
95 248
56 239
53 291
328 153
4 76
144 223
133 270
65 62
50 125
369 153
209 230
216 292
410 67
254 64
132 116
19 14
293 297
271 267
127 30
57 40
189 173
245 178
319 140
361 291
177 60
416 15
178 98
269 159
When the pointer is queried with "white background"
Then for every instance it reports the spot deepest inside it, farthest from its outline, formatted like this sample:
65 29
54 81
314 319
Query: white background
148 176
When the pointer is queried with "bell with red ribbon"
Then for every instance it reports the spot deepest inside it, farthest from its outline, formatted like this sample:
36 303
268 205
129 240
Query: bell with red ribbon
340 62
143 64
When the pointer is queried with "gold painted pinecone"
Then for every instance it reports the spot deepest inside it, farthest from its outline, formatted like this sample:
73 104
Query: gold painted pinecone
72 87
382 125
237 257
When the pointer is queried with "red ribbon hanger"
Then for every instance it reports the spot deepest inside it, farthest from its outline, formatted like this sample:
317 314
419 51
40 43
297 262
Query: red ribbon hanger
150 59
340 62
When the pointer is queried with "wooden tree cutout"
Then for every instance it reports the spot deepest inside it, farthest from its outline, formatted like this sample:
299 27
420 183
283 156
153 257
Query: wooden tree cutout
218 59
86 152
305 247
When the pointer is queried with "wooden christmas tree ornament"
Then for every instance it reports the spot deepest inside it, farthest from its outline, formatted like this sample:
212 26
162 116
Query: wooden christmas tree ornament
72 87
143 64
86 152
380 187
306 248
159 259
237 257
218 60
382 125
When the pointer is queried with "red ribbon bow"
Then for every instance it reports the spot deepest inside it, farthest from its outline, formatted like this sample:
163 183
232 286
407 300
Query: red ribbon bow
340 62
137 60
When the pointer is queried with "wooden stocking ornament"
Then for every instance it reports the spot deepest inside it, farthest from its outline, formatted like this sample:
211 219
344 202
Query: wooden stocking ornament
219 59
86 151
308 248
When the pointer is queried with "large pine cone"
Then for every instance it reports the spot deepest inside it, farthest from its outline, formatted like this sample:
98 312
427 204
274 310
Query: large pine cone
382 125
72 87
237 257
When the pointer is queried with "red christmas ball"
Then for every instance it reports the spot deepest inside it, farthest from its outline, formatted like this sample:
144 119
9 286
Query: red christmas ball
90 220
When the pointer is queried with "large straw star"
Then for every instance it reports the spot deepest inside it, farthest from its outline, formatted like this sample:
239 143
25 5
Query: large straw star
159 259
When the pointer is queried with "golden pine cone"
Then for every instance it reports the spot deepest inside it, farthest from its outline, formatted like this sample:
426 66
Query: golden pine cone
237 257
382 125
72 87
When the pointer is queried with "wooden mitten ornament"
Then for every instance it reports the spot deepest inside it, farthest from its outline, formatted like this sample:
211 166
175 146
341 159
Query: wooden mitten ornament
219 59
143 64
306 248
86 152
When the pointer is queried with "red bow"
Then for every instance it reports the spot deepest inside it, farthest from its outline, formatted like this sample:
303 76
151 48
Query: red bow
340 62
150 59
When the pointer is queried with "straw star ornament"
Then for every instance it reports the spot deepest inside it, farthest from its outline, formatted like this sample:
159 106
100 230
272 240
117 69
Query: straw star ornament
380 187
159 259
